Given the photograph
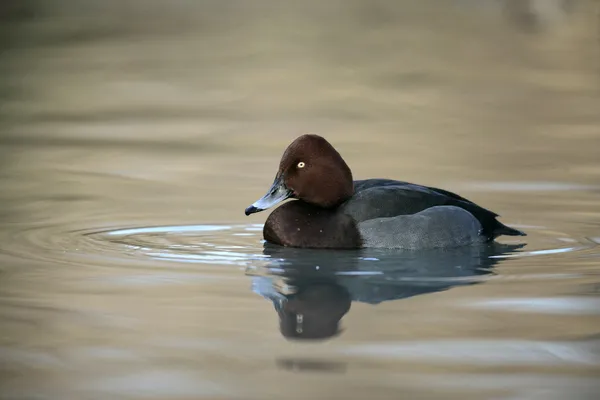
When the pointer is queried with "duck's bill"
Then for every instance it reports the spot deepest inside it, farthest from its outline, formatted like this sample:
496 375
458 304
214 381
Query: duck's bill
276 194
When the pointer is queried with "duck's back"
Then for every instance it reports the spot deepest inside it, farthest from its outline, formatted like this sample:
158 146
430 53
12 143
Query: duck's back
385 198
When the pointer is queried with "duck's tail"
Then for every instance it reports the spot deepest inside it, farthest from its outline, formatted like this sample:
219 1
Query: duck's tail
501 229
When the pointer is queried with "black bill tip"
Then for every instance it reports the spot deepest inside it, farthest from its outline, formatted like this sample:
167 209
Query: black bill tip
251 210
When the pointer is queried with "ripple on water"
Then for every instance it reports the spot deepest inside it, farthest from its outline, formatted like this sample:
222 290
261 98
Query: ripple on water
204 244
242 244
554 305
236 244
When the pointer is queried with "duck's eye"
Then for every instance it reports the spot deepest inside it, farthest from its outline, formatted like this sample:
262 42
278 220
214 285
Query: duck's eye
301 164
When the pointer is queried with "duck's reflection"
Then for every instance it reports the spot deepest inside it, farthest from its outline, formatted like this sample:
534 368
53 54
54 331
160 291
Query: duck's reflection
314 311
313 289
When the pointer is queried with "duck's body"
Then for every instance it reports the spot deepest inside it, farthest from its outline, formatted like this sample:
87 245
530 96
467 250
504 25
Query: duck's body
334 211
392 213
380 198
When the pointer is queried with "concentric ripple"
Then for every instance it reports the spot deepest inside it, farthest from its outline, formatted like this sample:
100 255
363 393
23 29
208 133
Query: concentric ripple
217 244
236 245
205 244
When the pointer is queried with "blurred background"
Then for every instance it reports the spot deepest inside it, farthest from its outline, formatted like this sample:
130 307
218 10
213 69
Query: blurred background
129 114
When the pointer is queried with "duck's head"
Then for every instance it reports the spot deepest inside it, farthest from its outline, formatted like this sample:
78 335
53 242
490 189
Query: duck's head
310 170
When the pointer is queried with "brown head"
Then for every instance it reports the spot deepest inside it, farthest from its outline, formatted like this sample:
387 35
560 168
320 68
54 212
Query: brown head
310 170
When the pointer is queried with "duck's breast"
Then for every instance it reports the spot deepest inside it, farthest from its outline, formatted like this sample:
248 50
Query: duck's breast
299 224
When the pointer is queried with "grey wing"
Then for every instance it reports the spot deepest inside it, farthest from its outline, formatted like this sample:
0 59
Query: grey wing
390 200
435 227
382 198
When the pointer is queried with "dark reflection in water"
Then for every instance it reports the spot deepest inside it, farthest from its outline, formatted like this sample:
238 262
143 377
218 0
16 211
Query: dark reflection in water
311 365
312 290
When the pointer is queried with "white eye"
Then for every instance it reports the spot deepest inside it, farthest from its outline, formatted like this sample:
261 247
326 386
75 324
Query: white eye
301 164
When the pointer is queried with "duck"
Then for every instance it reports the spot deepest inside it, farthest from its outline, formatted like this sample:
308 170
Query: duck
331 210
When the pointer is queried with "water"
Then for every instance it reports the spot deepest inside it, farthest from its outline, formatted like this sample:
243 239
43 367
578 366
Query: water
132 139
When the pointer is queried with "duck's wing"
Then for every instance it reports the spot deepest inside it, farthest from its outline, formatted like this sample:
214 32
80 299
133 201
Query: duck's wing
383 198
366 184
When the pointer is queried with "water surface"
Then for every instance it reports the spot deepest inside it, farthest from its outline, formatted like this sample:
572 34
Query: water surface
132 138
